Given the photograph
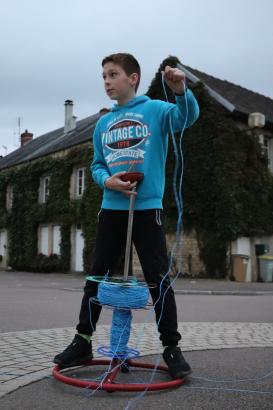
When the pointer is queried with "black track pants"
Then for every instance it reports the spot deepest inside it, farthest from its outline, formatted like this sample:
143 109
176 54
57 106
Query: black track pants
149 240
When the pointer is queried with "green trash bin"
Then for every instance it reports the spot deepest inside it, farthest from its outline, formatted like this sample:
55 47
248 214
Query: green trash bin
266 267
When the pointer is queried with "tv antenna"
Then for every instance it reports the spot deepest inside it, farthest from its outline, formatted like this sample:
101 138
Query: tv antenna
19 128
17 133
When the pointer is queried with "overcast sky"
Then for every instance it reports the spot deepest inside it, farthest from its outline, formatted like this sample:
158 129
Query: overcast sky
51 51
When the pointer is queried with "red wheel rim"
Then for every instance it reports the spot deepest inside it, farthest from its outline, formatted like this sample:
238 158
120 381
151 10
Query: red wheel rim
108 383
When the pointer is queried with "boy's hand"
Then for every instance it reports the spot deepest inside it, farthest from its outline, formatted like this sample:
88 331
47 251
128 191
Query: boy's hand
174 78
116 184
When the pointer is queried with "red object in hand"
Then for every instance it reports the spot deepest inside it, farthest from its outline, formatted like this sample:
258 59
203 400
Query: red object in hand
132 176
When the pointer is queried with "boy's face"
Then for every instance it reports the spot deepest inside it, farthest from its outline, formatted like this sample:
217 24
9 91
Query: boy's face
118 85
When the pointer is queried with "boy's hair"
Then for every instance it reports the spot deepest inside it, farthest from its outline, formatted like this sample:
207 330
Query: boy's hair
127 62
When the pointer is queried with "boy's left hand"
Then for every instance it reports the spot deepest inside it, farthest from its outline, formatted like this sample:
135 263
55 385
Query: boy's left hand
175 79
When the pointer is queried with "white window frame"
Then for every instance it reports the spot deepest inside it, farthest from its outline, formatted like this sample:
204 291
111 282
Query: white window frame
267 149
56 248
50 245
78 182
44 189
41 227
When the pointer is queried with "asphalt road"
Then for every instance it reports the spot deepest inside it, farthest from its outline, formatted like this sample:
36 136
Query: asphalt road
241 379
42 301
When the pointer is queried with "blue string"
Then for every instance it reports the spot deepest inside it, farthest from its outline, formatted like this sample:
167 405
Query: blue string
120 332
177 196
178 200
179 205
179 228
233 390
123 299
254 379
123 296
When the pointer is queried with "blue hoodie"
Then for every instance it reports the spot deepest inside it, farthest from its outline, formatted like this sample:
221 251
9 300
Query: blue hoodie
136 134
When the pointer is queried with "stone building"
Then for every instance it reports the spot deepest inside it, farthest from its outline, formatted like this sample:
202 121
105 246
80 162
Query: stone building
72 146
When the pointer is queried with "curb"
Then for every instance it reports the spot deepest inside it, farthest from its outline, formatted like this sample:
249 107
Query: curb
204 292
222 292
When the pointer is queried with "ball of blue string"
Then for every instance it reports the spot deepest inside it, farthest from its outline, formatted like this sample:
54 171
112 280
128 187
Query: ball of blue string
122 299
131 297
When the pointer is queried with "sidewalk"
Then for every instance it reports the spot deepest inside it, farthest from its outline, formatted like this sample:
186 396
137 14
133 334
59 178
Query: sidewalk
198 286
214 287
75 282
221 287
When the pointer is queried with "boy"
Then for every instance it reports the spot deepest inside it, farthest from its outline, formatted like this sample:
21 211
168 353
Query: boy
134 133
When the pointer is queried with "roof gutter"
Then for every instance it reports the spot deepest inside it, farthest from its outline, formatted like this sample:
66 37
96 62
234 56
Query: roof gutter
221 100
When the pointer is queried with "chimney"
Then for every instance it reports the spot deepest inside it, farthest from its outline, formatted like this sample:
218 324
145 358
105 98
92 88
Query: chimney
256 120
69 118
26 137
103 111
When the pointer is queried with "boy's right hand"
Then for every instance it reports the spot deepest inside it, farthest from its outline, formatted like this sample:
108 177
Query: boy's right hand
115 183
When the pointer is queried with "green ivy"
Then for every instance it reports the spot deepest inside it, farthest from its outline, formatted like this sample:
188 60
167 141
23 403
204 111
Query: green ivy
227 191
23 220
227 187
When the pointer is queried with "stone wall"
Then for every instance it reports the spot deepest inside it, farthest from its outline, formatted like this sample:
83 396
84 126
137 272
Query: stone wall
186 253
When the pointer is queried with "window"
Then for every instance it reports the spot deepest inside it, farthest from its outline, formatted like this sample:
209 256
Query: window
77 183
269 150
9 197
44 240
44 189
56 239
3 242
80 181
50 239
267 147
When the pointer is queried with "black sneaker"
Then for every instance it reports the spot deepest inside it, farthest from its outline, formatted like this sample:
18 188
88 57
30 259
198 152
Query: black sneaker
178 367
78 352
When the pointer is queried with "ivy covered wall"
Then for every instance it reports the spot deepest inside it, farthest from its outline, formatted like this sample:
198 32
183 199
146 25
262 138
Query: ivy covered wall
227 191
23 220
227 187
